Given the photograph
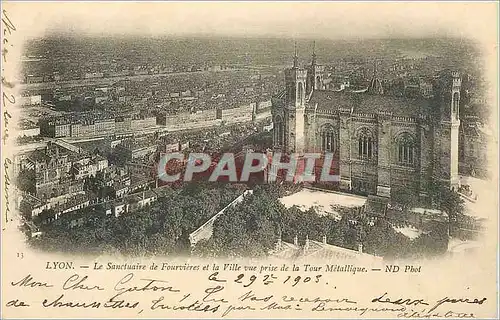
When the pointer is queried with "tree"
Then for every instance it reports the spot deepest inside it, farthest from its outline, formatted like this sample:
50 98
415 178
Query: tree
405 198
44 216
163 228
26 181
433 243
449 202
248 229
382 240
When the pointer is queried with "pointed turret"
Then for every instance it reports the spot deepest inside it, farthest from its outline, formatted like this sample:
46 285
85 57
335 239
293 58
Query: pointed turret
315 73
295 101
375 84
295 57
313 62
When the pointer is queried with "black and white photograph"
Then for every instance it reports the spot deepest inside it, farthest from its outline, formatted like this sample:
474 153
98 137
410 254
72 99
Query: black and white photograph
343 133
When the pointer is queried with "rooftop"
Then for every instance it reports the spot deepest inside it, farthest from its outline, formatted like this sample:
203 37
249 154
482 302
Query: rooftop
366 103
319 250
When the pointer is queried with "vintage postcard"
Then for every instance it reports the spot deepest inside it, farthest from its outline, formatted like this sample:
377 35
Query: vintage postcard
271 160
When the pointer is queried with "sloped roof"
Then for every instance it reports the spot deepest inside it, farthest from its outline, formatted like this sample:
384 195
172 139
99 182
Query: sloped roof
286 251
319 250
328 252
367 103
39 156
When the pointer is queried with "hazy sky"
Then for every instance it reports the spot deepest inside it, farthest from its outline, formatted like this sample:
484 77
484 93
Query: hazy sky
291 19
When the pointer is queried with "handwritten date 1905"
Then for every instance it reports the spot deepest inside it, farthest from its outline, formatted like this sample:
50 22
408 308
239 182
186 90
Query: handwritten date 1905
266 279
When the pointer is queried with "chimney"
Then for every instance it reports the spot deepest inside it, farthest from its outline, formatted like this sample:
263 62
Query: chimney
324 239
296 240
360 248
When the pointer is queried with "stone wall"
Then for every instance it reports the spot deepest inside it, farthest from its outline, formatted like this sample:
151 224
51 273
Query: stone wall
382 171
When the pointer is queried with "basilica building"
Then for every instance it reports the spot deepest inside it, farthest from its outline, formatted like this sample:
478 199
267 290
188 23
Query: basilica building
381 143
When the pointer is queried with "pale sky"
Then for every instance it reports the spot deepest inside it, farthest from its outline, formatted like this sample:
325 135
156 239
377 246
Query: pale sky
336 20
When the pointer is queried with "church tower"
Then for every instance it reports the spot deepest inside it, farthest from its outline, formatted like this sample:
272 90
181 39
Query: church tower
315 74
295 100
448 131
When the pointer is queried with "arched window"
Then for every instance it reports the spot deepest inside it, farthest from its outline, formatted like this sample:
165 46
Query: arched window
300 93
328 139
365 144
278 131
406 150
318 83
456 101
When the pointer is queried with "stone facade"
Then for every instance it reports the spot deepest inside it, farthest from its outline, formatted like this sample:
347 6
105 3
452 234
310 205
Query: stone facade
379 142
473 148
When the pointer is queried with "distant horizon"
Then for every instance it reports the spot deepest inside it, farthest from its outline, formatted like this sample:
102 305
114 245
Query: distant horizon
430 46
201 36
230 19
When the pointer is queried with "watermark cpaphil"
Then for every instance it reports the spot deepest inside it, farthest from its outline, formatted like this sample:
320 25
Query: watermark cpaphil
249 166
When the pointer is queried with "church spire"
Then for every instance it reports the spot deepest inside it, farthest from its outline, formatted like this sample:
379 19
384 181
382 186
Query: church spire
314 54
375 84
295 57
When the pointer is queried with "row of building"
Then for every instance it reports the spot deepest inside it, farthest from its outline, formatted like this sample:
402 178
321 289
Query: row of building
62 180
66 178
246 112
136 71
60 127
64 127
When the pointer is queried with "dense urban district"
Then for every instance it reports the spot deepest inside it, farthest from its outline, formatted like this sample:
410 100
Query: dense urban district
407 120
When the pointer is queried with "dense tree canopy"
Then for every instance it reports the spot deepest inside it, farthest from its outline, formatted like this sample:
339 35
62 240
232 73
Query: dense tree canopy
162 228
250 228
25 180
